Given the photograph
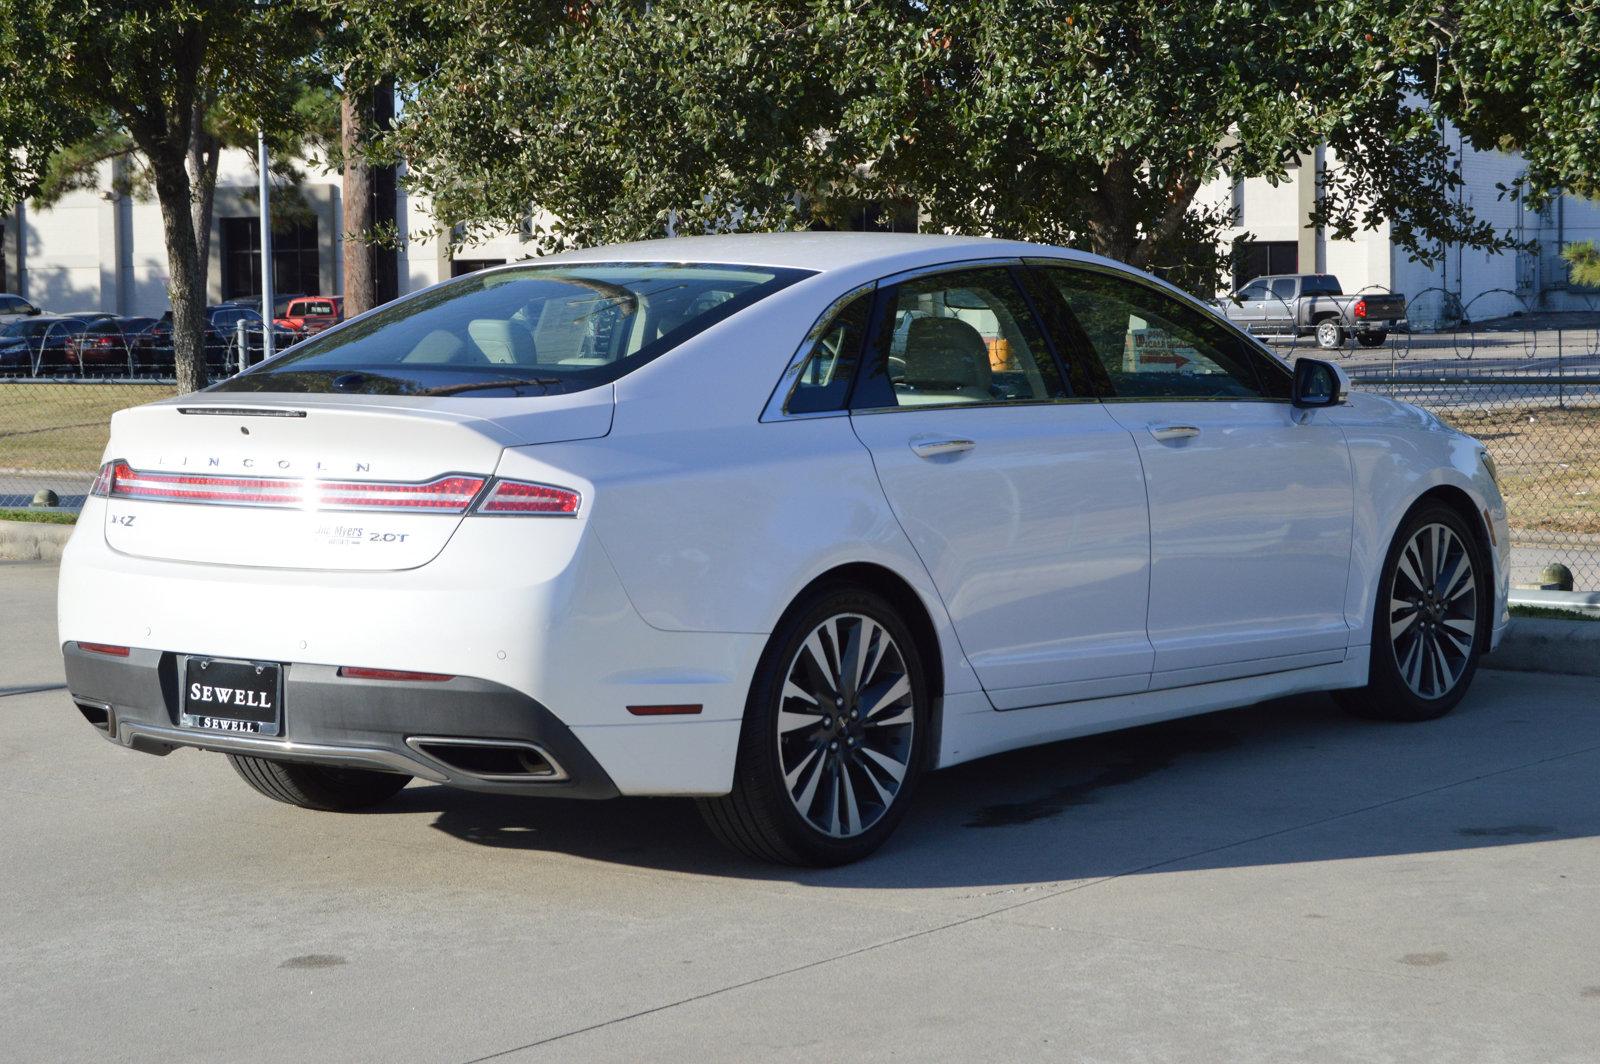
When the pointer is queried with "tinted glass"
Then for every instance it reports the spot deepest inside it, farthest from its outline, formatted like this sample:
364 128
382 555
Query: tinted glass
548 328
1320 284
1283 288
315 308
967 336
825 377
1154 346
1254 290
12 305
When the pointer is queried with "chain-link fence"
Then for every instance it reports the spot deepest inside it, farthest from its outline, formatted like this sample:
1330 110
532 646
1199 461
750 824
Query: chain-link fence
1525 383
1528 387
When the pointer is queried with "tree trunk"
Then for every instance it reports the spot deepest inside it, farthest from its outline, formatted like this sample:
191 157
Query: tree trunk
359 295
204 153
187 285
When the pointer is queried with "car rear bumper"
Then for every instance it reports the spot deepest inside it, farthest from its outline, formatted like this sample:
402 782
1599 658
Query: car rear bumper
407 727
531 625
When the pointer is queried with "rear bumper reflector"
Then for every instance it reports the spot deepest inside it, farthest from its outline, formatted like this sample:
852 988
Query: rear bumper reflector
665 711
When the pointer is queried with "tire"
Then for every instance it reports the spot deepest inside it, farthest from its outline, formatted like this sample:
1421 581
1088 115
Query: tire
1371 339
1425 652
333 790
1330 334
803 766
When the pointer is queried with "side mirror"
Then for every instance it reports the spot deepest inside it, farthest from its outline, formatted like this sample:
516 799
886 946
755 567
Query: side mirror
33 311
1318 384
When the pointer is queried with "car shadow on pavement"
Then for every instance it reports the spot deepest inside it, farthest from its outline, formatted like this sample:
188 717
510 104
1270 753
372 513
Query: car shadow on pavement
1224 790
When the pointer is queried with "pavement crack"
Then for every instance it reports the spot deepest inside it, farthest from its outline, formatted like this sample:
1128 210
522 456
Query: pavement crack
33 690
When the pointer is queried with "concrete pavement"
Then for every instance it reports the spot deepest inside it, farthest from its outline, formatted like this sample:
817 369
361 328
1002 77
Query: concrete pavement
1273 884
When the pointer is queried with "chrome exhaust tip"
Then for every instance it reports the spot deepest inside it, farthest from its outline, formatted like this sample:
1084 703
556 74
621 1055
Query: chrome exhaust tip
497 760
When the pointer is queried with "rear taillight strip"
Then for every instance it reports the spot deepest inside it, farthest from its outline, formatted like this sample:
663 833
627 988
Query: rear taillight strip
451 493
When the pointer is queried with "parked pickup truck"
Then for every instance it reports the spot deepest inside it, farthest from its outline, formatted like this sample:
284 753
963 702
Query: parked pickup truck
1313 304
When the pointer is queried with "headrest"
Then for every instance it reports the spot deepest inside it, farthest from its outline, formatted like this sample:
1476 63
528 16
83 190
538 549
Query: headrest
946 353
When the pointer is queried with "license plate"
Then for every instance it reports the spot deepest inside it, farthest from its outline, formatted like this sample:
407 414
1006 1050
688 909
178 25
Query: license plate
232 696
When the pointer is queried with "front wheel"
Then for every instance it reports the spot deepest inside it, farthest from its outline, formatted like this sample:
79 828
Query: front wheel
1330 334
1428 629
338 790
834 738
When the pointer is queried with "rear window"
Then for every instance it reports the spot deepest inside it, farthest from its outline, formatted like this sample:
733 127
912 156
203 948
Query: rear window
547 328
313 308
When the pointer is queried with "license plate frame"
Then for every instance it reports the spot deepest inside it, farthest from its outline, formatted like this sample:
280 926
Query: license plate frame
253 691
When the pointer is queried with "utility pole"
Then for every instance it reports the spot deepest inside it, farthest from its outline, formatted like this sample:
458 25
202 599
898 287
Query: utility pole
267 300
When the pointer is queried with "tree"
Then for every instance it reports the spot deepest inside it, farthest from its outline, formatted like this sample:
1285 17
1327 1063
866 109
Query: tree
1093 124
1584 262
155 72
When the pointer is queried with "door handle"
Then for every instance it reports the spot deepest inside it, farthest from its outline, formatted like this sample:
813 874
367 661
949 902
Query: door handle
1166 432
934 448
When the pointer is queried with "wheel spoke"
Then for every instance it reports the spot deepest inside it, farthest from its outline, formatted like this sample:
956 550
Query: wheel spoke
792 777
895 769
1398 624
852 813
900 688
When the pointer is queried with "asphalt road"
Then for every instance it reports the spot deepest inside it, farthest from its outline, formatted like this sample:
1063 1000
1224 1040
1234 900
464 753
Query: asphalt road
1272 884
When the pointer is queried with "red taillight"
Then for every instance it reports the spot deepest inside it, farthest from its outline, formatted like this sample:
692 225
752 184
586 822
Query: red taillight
447 495
1360 309
524 497
104 648
355 672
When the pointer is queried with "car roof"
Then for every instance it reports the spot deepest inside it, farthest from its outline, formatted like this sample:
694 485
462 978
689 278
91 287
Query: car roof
821 252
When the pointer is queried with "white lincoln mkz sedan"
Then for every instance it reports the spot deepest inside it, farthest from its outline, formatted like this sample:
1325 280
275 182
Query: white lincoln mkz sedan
780 522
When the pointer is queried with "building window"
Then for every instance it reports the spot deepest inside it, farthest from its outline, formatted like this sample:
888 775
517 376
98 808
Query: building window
461 267
296 259
1263 257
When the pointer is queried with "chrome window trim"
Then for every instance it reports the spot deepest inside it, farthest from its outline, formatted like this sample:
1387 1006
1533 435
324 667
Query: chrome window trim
1069 400
778 403
1155 284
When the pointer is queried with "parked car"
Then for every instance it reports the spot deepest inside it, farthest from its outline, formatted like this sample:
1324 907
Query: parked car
307 315
13 307
154 348
107 345
48 339
1313 304
694 517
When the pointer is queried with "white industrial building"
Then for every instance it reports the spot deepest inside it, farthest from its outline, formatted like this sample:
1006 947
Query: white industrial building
100 250
1273 222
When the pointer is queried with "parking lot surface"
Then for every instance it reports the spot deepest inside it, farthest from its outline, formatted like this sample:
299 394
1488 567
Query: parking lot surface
1273 884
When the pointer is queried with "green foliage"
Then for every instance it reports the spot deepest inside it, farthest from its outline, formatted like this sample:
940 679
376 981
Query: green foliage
1093 124
41 517
1524 75
1584 262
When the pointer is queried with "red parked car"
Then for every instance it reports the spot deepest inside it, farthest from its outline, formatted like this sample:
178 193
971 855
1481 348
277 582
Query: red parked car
312 314
106 344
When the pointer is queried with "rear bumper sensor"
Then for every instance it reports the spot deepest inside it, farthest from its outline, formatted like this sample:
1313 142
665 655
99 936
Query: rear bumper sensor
489 759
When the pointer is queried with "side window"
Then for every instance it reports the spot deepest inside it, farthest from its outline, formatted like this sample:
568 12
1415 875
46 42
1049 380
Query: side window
1254 290
1156 347
1283 288
968 336
830 366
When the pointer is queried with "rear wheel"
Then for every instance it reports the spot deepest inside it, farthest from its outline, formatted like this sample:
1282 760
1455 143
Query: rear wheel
1427 634
1371 339
1330 334
317 786
834 737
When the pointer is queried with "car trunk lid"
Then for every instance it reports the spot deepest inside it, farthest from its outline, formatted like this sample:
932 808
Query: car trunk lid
360 483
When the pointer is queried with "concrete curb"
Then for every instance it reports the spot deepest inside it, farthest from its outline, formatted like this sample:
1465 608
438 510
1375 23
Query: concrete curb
29 541
1538 645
